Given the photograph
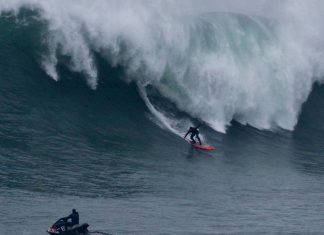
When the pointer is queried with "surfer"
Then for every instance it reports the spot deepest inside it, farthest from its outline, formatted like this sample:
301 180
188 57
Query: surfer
194 133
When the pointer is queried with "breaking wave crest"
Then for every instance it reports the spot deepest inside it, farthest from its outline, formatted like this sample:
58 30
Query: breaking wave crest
216 67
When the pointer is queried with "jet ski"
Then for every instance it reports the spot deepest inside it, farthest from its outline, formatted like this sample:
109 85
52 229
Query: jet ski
60 228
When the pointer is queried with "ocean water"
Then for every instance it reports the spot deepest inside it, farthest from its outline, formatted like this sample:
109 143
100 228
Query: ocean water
96 97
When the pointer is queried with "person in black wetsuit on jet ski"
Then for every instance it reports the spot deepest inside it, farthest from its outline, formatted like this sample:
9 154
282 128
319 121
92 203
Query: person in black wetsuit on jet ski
74 219
69 226
194 133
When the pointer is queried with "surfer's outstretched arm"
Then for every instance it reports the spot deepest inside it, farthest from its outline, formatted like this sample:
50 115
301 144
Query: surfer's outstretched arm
187 134
198 126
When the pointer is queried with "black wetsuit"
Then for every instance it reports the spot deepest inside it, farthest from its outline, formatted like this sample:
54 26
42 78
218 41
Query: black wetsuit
74 219
194 133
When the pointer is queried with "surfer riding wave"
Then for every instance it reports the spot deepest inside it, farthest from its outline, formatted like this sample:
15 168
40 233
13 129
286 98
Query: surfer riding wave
194 133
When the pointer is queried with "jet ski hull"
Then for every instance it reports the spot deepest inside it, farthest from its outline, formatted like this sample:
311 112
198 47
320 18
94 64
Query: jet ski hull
59 228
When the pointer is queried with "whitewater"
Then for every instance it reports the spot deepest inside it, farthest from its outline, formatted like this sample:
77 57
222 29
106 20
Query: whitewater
217 67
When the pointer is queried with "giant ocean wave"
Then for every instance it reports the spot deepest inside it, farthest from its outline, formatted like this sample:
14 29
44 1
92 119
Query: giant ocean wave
214 67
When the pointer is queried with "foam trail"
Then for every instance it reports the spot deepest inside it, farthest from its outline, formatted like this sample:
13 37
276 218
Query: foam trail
163 121
217 67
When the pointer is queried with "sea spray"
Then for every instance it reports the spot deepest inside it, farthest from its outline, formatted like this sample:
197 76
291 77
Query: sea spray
217 67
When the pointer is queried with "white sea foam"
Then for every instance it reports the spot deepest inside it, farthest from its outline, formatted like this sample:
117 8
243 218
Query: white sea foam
216 67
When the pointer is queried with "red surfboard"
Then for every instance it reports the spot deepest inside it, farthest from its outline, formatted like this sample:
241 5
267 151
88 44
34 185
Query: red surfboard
203 147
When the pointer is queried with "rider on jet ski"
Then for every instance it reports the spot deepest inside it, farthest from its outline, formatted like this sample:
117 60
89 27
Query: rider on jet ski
74 219
69 226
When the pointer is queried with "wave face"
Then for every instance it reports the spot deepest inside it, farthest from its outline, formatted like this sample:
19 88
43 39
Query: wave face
216 67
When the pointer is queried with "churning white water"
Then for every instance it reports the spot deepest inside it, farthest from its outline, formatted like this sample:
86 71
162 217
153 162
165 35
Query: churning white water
215 66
